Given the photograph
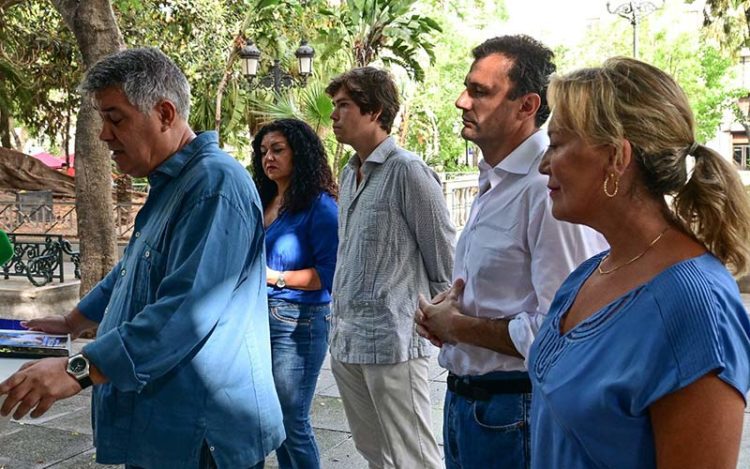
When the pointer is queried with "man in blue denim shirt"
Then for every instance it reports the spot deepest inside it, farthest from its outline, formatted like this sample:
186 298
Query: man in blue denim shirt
182 363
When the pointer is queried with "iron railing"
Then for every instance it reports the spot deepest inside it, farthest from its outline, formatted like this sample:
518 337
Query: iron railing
40 258
60 219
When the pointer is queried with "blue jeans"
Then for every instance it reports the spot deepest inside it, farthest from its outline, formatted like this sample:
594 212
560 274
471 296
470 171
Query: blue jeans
299 341
487 434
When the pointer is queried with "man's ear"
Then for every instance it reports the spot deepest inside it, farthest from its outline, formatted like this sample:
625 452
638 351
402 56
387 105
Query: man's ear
375 115
530 104
167 113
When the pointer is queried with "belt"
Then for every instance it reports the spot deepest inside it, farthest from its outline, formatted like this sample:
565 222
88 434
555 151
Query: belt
484 389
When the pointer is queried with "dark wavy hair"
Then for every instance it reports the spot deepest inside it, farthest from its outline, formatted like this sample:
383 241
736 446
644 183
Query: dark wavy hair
372 89
311 174
533 63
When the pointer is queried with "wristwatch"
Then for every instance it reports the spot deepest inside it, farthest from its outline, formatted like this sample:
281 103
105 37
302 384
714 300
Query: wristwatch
78 367
280 282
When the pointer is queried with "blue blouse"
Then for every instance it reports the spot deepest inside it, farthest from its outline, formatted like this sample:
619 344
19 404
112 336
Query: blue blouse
296 241
593 385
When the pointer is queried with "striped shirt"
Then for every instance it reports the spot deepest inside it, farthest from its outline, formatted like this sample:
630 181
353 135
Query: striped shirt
396 240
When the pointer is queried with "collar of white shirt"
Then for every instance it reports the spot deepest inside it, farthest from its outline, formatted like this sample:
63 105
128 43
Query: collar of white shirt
517 162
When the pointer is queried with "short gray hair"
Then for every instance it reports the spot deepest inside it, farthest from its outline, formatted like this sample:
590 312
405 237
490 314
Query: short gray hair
145 75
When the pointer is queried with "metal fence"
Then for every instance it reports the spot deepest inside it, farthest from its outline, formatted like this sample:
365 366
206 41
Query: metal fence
60 219
40 258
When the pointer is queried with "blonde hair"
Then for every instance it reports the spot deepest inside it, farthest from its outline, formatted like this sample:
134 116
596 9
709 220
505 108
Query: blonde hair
626 99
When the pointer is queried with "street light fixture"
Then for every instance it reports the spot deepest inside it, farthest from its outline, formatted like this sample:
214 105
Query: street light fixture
277 79
634 12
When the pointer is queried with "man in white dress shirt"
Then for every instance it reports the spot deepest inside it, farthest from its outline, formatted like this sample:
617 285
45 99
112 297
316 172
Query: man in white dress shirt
511 258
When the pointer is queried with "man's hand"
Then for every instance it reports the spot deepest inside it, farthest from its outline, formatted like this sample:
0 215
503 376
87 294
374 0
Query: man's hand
73 323
434 319
37 385
50 325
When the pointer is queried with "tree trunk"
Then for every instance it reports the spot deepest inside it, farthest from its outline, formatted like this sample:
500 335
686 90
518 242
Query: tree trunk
97 34
236 46
5 129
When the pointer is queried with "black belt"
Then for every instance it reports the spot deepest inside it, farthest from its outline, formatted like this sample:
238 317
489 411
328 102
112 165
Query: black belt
484 389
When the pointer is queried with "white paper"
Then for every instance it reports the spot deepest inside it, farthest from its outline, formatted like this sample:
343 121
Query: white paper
8 366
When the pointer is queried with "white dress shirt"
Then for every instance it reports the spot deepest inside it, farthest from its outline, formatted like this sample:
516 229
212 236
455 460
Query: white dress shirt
513 255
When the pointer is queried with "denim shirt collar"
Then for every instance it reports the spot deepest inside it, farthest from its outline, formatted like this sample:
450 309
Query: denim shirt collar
173 166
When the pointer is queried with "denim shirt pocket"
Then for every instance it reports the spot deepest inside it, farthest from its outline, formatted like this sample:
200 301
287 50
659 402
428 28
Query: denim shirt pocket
147 267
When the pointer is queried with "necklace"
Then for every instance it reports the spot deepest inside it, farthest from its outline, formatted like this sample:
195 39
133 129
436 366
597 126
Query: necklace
650 245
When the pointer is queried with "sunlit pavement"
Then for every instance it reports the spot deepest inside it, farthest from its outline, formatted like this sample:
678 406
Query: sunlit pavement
62 438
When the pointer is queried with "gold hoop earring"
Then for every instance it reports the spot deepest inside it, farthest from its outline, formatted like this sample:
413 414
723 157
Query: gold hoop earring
606 183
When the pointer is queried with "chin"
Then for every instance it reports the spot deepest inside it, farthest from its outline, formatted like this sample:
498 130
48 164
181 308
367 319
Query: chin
559 212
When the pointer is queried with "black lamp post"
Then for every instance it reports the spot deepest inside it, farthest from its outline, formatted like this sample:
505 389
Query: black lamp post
634 12
276 79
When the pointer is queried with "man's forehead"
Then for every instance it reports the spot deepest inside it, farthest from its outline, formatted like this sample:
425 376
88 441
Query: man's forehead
341 95
109 99
490 68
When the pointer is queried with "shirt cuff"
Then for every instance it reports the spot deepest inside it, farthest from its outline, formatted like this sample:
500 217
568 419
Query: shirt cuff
92 305
522 335
111 358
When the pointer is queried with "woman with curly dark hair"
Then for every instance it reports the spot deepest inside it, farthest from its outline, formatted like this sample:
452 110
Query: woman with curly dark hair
300 216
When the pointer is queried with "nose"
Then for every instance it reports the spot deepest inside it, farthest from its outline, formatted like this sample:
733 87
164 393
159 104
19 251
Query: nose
335 114
463 101
544 164
106 133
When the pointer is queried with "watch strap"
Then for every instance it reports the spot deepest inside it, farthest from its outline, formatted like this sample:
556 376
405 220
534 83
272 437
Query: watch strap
85 382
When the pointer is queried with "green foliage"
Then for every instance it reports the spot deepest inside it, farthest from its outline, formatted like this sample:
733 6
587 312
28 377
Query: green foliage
728 21
39 69
387 29
701 69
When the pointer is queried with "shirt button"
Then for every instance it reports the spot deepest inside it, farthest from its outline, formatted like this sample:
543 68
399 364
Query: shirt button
137 234
147 254
123 272
212 448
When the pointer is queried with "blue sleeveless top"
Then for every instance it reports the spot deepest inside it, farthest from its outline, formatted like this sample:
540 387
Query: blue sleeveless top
593 385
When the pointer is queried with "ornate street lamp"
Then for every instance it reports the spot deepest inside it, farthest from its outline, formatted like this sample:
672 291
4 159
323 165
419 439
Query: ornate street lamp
634 12
277 79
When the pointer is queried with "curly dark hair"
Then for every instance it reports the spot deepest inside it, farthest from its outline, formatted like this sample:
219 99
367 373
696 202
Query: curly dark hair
532 66
311 174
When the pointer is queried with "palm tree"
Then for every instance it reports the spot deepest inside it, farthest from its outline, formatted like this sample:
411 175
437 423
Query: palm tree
389 30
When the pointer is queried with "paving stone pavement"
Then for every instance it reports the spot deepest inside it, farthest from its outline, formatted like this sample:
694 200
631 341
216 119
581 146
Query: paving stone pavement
61 439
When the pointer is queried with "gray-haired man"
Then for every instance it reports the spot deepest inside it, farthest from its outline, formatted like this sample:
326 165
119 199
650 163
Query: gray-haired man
181 366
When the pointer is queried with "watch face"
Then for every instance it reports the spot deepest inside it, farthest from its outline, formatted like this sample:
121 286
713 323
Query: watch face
77 365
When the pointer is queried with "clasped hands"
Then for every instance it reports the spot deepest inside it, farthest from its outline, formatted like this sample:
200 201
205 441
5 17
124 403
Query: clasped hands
435 320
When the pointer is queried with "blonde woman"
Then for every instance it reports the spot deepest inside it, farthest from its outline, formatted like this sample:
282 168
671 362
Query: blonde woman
644 359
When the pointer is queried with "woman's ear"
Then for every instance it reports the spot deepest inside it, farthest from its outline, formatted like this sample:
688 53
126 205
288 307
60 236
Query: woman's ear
620 159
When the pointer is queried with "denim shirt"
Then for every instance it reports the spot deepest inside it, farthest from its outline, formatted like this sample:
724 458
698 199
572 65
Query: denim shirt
183 335
396 240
